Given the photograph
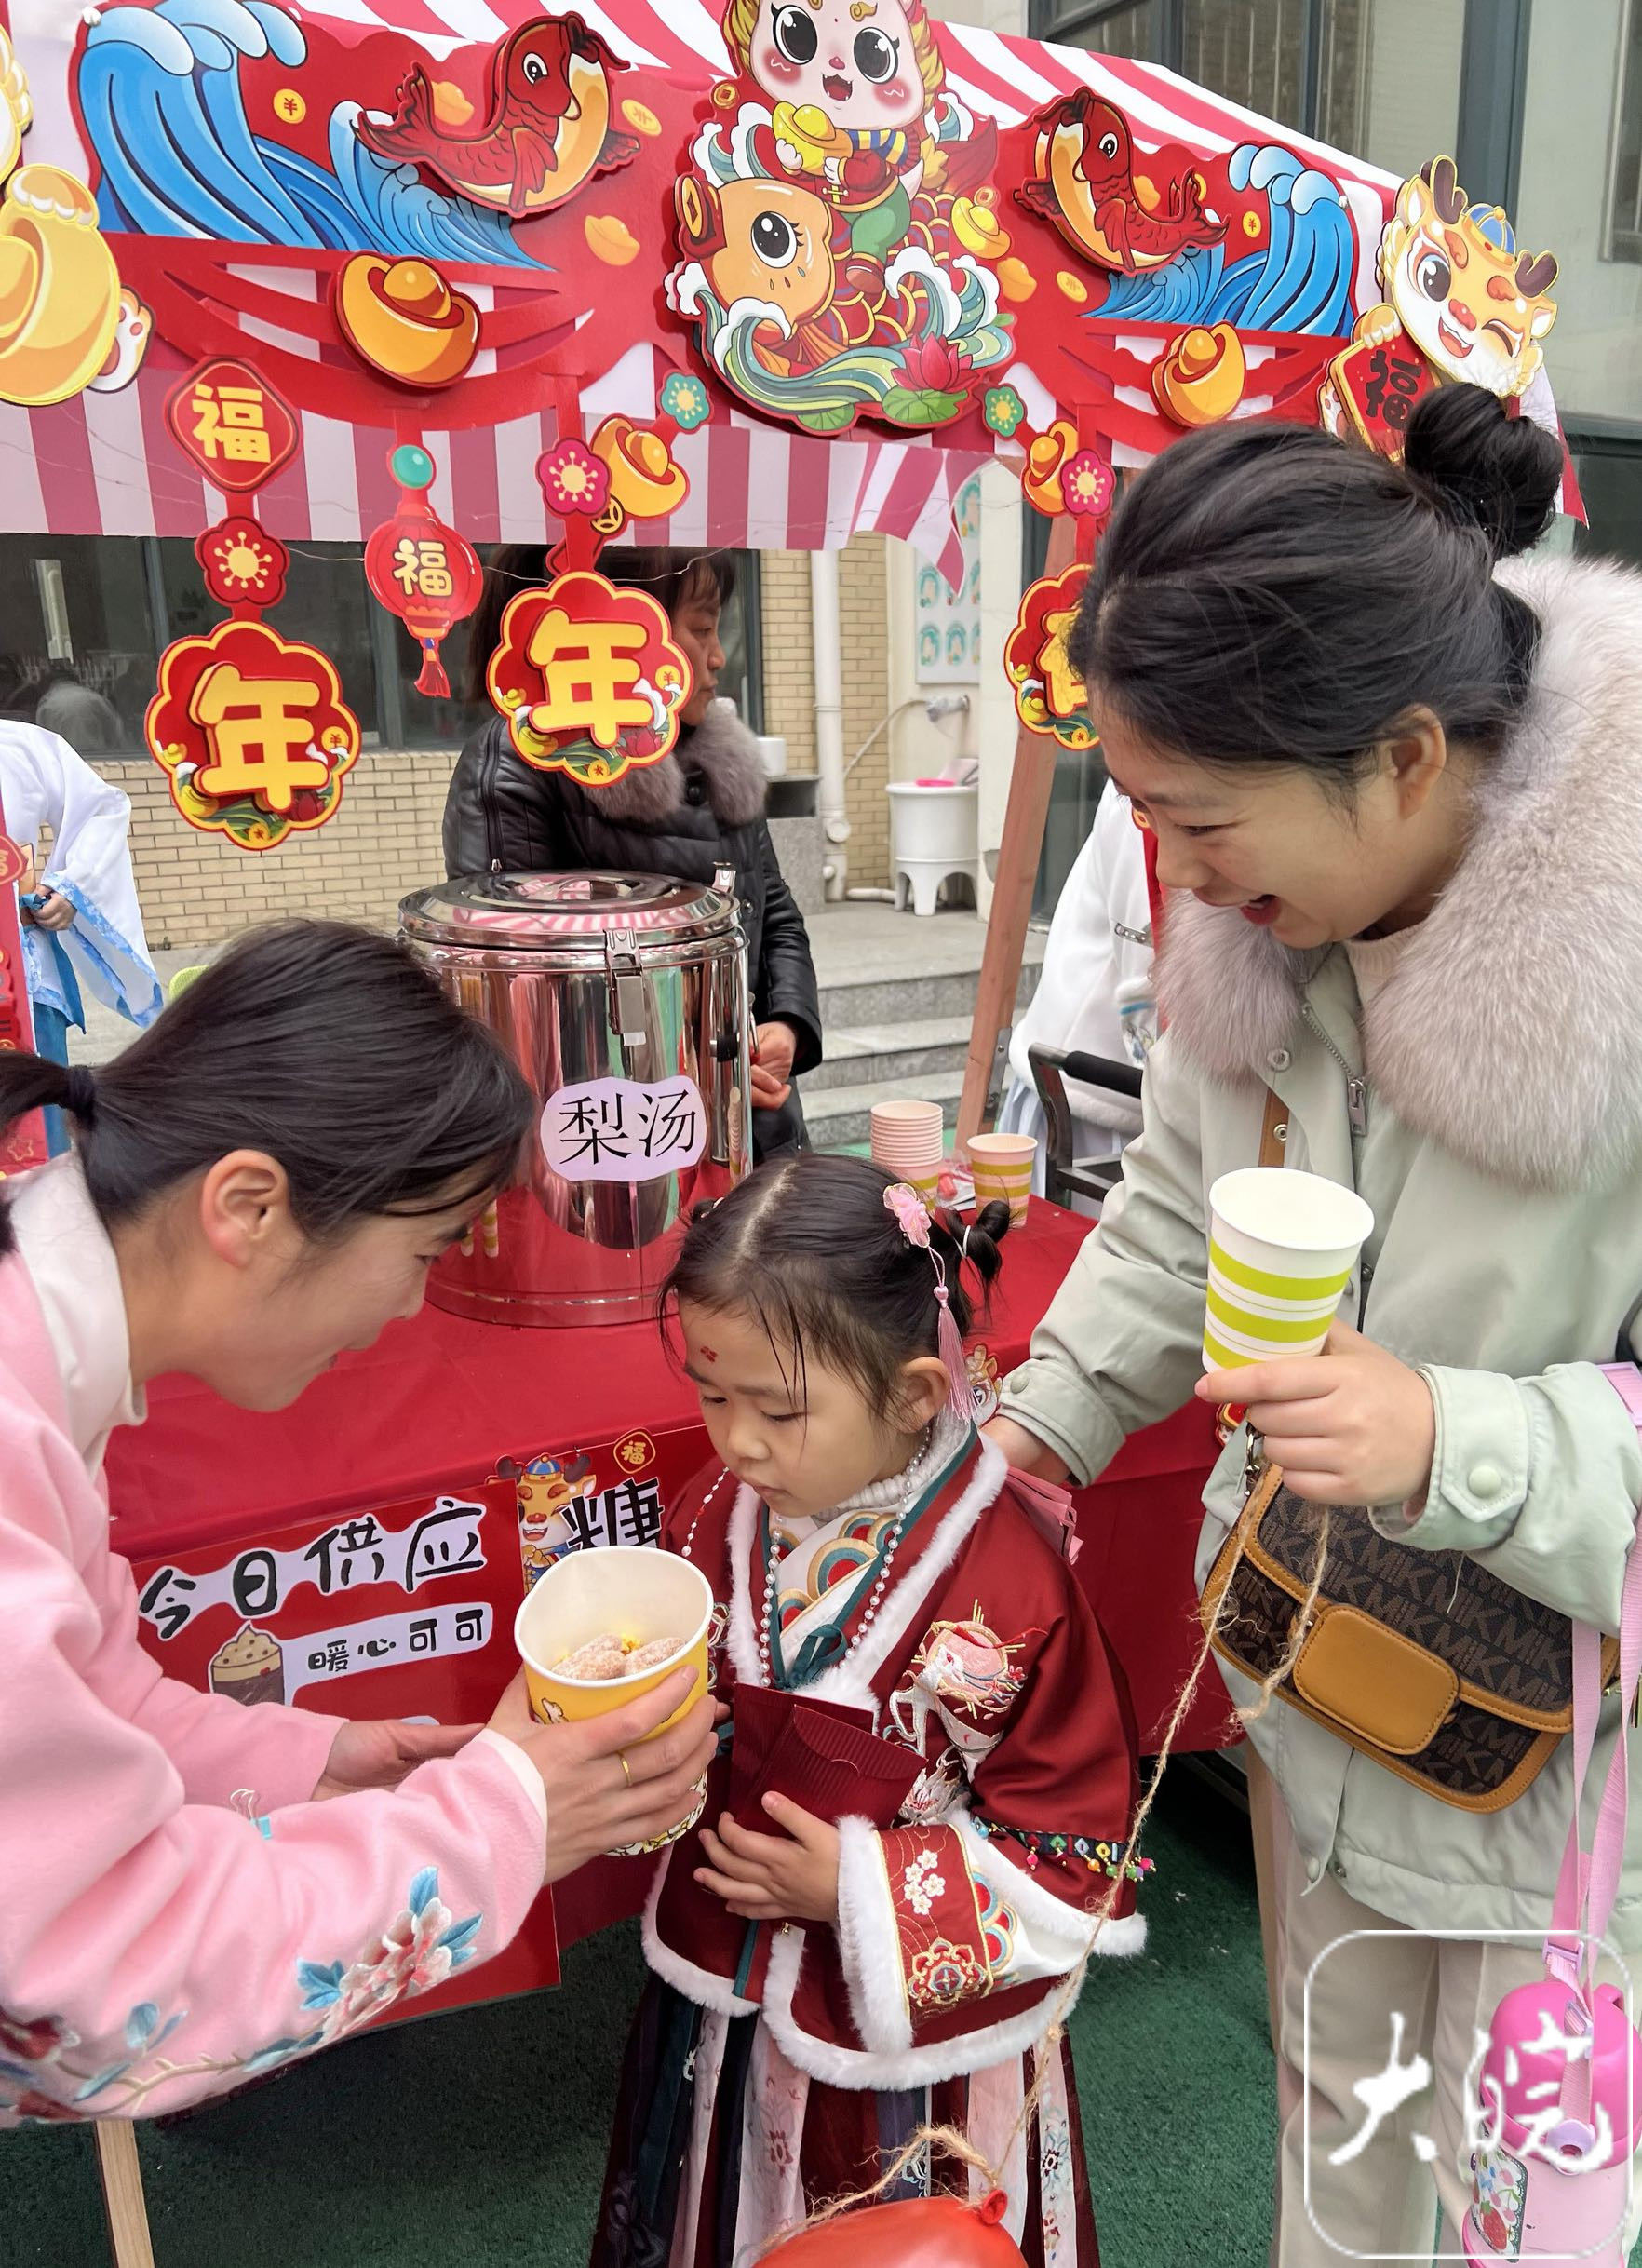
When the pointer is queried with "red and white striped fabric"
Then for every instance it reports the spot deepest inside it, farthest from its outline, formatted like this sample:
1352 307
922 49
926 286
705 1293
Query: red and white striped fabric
103 465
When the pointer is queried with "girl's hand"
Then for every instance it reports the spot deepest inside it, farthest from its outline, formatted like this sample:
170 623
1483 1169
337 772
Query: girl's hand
54 912
593 1805
381 1751
1352 1426
769 1878
1025 1452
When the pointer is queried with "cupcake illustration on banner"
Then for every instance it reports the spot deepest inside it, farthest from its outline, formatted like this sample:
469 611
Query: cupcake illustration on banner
249 1668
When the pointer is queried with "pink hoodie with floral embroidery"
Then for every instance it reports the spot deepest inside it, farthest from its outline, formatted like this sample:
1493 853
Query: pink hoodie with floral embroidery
156 1943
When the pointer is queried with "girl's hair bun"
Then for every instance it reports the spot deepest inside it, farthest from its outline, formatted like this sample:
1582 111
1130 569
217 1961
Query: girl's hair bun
1482 468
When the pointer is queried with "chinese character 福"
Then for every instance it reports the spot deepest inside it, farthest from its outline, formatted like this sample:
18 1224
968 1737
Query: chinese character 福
229 422
1392 386
422 567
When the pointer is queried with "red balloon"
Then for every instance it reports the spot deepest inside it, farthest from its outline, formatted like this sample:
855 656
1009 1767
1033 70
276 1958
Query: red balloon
919 2233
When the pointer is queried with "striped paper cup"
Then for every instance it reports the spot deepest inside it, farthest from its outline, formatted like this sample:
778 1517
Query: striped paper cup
1282 1247
1002 1165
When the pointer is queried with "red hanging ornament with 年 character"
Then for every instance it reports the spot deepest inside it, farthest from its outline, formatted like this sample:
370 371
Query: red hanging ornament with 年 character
420 569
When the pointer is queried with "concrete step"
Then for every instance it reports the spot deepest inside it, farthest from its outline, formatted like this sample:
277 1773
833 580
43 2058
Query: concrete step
898 1051
839 1116
931 996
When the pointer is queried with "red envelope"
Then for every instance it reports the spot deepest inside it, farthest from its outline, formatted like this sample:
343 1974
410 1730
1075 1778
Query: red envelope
817 1754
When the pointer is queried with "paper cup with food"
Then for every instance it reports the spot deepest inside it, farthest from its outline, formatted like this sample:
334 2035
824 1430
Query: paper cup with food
1282 1247
605 1624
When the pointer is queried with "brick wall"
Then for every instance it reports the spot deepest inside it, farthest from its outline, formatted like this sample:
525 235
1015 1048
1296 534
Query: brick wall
196 890
789 684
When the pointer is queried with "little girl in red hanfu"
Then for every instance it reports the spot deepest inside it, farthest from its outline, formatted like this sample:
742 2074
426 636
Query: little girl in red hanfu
895 1638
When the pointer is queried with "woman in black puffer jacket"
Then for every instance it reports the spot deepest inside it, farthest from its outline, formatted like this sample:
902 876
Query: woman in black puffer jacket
699 808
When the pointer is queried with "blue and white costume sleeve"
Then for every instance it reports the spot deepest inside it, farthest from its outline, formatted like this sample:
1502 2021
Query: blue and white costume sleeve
43 783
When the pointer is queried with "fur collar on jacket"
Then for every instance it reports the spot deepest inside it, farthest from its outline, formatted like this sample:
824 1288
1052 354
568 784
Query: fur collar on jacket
721 749
1511 1034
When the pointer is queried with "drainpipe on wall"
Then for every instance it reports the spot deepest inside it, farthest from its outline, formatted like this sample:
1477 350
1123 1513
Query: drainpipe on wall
826 645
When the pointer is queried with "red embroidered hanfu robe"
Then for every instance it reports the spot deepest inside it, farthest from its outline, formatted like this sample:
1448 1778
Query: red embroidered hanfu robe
774 2066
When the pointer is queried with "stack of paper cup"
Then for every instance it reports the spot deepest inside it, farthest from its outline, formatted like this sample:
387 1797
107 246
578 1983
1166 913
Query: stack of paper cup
1282 1247
1002 1165
907 1140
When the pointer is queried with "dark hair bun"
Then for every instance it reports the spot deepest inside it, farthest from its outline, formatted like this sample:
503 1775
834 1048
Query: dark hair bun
1481 467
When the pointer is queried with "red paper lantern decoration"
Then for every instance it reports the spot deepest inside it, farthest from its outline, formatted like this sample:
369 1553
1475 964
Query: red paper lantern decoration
588 678
421 570
917 2233
253 732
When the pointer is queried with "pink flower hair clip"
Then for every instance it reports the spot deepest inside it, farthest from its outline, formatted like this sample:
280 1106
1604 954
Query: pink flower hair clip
912 1219
910 1211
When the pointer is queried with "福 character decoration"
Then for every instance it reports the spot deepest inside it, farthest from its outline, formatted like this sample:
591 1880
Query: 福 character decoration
249 728
420 569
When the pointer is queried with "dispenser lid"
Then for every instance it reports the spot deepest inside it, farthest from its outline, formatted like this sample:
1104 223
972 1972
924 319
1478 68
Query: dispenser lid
562 913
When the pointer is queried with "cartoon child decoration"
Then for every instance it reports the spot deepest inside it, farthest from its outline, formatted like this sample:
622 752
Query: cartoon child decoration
859 104
836 232
1462 305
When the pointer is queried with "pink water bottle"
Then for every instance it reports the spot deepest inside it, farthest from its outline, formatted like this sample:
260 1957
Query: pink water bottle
1561 2083
1547 2183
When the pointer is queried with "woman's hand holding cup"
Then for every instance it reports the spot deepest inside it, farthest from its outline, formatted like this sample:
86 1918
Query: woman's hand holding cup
1352 1426
607 1782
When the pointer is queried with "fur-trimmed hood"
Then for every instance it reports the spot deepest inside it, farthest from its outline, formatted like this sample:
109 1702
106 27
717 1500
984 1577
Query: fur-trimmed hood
1511 1033
721 749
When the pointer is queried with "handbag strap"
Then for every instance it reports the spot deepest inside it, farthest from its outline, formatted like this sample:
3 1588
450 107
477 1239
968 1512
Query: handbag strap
1588 1882
1274 1130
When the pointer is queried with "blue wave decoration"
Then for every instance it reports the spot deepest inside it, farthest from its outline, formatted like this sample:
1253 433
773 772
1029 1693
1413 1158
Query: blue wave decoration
165 112
1300 282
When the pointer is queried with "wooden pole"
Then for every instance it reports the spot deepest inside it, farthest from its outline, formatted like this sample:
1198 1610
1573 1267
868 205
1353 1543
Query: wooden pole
123 2203
1030 781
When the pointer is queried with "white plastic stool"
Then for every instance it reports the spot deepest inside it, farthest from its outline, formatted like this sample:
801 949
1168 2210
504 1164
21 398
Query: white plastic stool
935 832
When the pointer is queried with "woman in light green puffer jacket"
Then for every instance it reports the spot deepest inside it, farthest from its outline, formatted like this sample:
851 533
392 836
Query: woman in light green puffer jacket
1398 805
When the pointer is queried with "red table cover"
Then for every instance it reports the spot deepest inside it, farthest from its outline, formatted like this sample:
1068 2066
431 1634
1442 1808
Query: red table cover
370 1529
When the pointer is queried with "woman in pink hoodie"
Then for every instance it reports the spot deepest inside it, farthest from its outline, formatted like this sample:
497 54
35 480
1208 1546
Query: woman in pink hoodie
260 1181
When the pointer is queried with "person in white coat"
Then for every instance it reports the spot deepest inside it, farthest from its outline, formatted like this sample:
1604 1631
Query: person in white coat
82 926
1094 992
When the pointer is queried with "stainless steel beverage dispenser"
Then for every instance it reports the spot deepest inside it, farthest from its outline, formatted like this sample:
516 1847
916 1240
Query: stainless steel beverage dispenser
622 999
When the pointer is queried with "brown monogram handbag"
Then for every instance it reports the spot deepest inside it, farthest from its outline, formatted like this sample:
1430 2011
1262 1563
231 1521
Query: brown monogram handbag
1422 1660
